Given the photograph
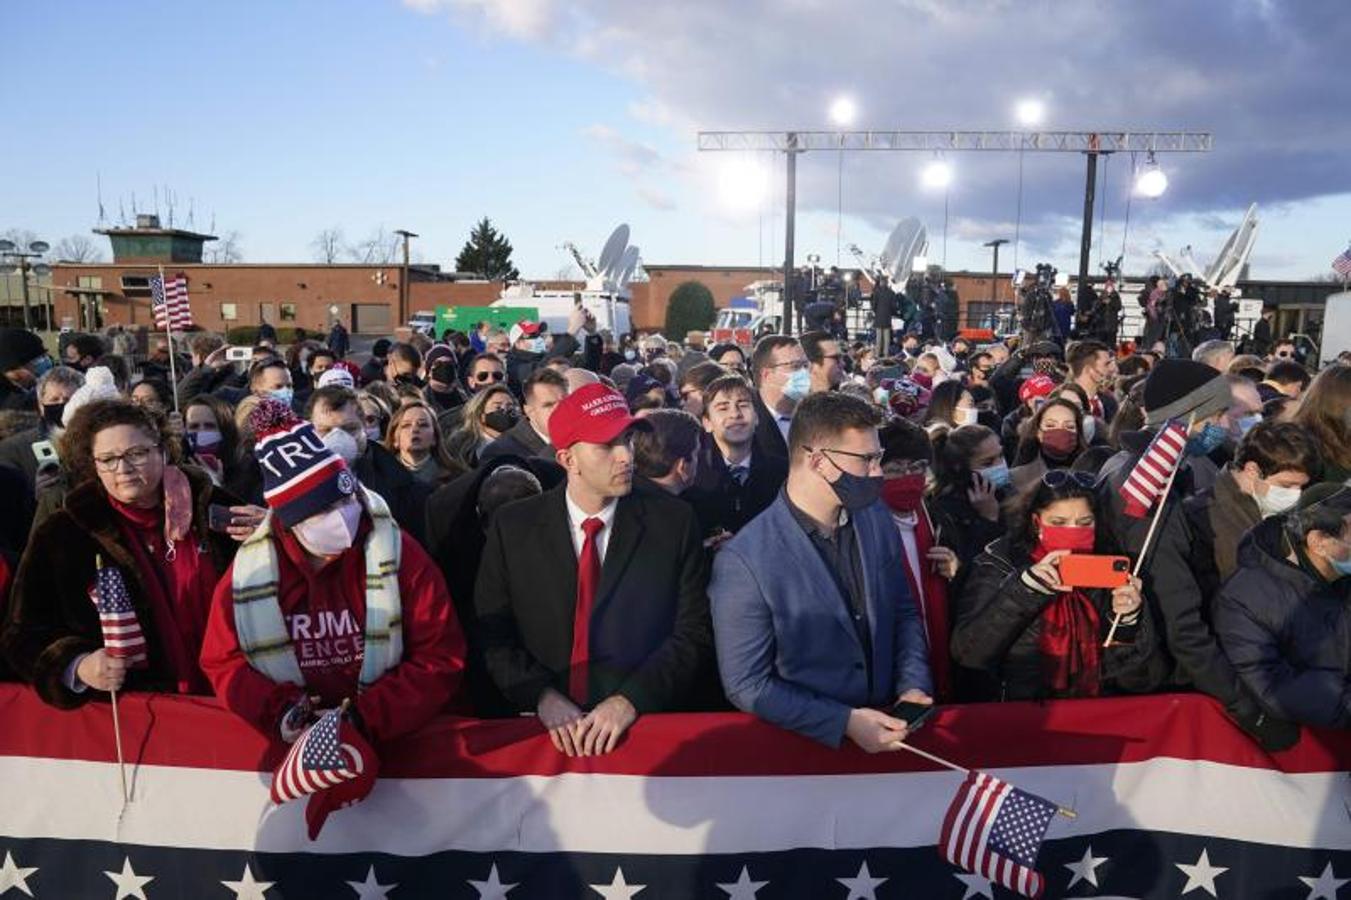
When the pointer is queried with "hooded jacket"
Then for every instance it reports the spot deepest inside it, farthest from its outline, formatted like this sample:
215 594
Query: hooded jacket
1287 631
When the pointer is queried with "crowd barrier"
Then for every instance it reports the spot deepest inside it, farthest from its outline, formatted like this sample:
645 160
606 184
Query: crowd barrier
1171 800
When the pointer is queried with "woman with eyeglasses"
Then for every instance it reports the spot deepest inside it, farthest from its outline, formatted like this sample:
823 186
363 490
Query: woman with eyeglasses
1051 439
1039 637
374 416
930 567
134 513
486 417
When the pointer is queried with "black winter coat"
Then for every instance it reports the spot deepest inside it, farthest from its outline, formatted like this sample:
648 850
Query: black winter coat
1287 632
997 627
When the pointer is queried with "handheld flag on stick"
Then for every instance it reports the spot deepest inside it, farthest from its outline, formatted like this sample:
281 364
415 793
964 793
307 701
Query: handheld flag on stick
169 302
331 763
996 830
122 639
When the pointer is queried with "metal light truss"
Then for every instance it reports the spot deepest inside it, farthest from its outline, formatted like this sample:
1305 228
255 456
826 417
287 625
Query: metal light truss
1045 141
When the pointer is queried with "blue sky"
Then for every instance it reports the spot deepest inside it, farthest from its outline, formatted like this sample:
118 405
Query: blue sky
559 120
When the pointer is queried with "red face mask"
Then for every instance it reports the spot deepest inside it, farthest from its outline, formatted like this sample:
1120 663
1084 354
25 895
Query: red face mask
1075 538
904 494
1059 443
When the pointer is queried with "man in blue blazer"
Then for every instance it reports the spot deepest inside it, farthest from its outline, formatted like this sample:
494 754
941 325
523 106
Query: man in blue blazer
813 620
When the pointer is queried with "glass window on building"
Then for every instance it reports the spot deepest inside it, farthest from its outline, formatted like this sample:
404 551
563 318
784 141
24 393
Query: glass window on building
90 281
288 312
229 312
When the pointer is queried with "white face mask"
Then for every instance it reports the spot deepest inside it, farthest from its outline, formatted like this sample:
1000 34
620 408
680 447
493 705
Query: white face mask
343 444
966 415
373 434
330 532
1276 500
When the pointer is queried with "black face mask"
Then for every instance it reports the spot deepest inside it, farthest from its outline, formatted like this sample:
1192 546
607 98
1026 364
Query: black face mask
410 380
52 412
856 492
502 419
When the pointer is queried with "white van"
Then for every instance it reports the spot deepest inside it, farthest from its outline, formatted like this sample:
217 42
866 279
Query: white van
1336 327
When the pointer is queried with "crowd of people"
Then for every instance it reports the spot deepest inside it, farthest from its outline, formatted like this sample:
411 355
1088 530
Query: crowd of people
810 530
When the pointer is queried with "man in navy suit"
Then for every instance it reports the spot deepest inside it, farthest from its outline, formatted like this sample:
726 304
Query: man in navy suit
813 621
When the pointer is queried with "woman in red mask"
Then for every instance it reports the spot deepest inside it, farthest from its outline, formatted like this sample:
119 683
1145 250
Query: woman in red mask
1051 439
1041 638
929 567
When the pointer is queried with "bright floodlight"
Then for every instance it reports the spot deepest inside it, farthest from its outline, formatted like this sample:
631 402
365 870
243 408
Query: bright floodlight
1030 112
936 175
843 111
743 184
1151 182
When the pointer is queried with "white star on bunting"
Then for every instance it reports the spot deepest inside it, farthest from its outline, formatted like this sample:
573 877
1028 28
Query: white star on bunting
617 889
976 885
1325 886
1086 868
13 876
370 889
129 884
248 889
862 886
1202 875
493 888
743 888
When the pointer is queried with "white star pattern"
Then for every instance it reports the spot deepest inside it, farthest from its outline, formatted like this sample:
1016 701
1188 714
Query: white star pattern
12 876
493 888
1325 886
1086 868
370 889
129 884
248 889
976 885
1202 875
743 888
862 886
618 889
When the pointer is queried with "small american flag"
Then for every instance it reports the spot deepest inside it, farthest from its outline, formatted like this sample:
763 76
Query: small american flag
1150 476
169 302
332 764
1342 264
122 636
996 830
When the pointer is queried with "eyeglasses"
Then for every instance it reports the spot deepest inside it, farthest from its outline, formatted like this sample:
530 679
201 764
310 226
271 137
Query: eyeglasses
134 457
1058 478
795 364
494 375
870 459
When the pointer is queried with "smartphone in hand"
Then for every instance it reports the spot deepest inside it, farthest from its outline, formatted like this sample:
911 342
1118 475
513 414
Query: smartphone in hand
219 517
915 715
1088 570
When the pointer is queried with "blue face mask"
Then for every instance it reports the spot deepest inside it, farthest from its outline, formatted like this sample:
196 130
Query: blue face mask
42 365
798 385
1246 423
1206 441
1342 566
998 475
283 395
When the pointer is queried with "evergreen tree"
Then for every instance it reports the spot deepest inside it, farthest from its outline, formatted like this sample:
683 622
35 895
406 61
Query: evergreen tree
488 253
689 309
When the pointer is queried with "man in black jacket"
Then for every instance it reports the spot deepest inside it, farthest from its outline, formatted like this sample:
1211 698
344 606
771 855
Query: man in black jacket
23 358
543 390
1184 390
884 308
591 597
734 483
782 375
336 408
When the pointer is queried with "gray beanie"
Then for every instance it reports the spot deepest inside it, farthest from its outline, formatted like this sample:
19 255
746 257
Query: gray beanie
1177 388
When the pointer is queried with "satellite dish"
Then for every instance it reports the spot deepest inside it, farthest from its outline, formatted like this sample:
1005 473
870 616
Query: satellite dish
1223 272
913 243
41 270
6 246
613 252
892 246
628 264
8 268
39 246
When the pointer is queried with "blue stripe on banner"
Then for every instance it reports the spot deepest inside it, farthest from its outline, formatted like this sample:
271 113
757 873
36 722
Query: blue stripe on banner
1110 864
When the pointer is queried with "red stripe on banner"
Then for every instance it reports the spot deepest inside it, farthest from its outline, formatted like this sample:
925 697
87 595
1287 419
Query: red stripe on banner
169 730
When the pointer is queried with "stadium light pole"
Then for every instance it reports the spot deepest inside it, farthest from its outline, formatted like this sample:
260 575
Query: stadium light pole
404 293
17 259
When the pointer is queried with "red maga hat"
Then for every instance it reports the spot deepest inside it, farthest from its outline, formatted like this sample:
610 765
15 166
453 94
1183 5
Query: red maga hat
592 414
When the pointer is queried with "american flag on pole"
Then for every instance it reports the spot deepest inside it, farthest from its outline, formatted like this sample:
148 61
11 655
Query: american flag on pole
1342 264
122 636
169 302
1150 476
330 753
996 830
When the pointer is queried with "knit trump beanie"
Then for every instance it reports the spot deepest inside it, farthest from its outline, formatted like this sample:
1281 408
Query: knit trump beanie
301 475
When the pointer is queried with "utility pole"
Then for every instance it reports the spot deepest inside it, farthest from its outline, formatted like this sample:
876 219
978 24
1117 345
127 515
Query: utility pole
994 266
790 193
1086 237
403 278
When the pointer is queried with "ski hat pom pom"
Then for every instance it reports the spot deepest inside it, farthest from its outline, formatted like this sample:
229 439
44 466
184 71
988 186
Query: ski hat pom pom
98 385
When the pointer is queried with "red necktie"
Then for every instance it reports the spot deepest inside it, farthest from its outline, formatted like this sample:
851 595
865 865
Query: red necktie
588 578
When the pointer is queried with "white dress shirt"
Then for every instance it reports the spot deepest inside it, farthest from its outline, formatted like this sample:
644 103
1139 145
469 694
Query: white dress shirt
575 519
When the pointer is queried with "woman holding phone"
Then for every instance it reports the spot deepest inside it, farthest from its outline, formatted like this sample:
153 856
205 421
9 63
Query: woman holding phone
1017 619
970 478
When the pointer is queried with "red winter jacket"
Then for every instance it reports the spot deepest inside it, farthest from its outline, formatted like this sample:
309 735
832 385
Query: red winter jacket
325 611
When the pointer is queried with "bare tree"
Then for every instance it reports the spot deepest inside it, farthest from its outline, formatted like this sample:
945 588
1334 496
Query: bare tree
225 250
77 248
328 245
379 248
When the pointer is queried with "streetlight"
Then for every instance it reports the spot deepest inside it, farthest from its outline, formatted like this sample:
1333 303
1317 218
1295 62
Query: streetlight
404 293
994 266
1151 182
936 176
1030 112
843 110
16 259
